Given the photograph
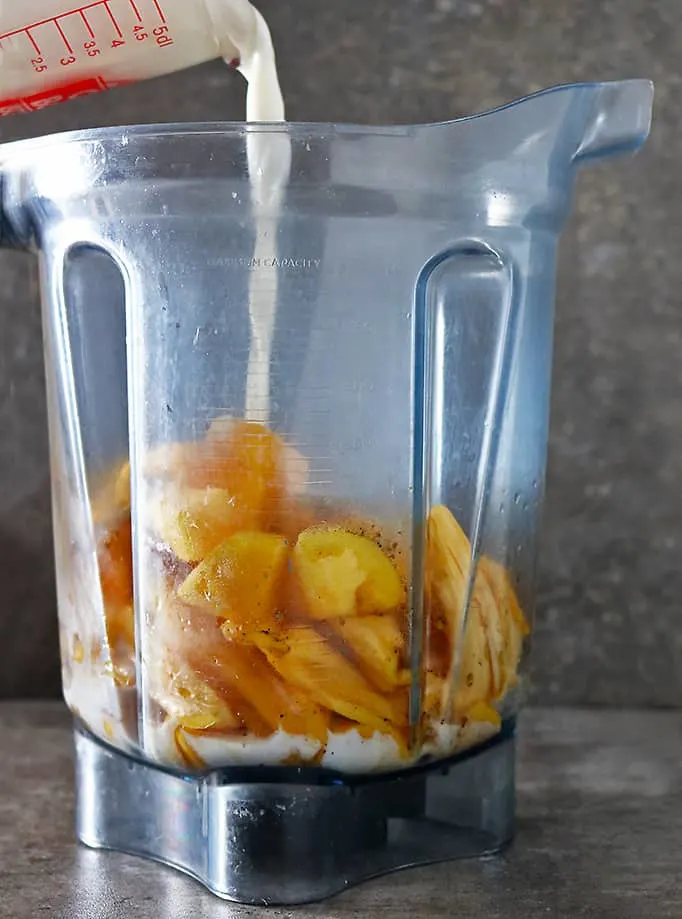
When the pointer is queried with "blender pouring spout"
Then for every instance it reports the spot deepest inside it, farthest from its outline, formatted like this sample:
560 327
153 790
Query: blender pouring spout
620 119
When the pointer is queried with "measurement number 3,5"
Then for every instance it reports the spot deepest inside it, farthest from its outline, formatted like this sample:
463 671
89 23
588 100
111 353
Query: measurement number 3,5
91 48
160 33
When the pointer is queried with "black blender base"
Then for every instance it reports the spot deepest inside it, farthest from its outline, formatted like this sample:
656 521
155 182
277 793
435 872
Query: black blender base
277 843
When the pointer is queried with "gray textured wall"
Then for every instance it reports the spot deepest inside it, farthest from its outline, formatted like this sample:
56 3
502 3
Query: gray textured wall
609 628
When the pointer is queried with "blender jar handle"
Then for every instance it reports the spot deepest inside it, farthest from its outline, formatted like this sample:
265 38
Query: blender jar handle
465 321
465 331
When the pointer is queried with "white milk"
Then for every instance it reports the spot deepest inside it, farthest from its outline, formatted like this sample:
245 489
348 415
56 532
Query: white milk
269 160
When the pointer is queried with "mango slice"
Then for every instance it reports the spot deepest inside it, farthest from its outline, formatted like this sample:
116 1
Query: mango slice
120 624
246 671
342 574
188 755
378 643
111 495
291 466
188 699
240 581
122 487
241 456
304 659
481 711
193 521
513 624
491 644
448 556
115 556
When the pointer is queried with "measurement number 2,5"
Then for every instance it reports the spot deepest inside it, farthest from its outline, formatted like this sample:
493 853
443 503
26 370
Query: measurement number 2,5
160 34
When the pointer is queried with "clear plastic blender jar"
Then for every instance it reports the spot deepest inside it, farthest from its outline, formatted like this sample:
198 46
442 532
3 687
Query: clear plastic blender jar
298 440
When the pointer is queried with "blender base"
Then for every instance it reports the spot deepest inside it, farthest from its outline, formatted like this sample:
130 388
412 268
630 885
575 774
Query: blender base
293 842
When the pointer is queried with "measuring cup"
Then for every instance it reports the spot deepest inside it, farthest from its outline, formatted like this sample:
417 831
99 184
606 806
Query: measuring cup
51 52
292 629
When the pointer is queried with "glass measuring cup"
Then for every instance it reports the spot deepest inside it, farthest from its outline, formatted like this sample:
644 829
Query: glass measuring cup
302 621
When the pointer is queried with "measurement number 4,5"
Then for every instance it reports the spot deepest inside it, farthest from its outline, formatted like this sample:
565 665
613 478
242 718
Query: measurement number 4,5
160 34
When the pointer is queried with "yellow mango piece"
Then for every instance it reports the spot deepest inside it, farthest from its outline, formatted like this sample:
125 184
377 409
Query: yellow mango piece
253 464
246 671
122 486
389 538
193 521
513 624
448 557
188 755
290 465
483 670
434 694
240 581
378 643
505 595
304 659
111 495
491 620
120 626
481 711
342 574
474 677
241 456
115 558
188 699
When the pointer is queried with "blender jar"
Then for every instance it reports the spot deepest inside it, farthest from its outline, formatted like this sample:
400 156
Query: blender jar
298 383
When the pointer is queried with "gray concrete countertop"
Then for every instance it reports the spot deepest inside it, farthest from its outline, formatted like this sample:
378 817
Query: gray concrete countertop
600 835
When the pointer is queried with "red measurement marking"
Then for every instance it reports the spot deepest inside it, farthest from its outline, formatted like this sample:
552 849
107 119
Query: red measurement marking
59 93
35 44
114 22
135 10
52 20
87 24
64 38
160 11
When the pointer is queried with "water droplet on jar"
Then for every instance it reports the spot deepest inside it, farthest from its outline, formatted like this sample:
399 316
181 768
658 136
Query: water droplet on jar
517 498
535 483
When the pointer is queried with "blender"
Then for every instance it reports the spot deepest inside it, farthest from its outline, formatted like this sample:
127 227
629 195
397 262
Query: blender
297 484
